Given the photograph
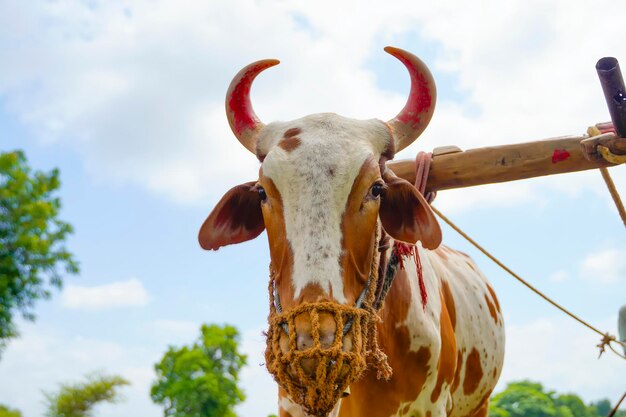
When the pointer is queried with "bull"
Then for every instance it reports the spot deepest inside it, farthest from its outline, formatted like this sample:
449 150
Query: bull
335 217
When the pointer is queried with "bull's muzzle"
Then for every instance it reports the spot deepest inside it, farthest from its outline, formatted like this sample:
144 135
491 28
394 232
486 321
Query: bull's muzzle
312 357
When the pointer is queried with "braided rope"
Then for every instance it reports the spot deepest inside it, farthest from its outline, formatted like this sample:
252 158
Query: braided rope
595 131
614 194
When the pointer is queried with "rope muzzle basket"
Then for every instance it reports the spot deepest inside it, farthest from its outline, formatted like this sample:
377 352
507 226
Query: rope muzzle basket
317 376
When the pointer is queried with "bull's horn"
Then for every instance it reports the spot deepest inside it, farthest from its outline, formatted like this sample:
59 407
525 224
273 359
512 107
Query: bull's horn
419 107
243 121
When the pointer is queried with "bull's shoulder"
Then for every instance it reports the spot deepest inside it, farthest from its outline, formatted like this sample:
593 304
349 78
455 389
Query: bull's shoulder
461 281
446 260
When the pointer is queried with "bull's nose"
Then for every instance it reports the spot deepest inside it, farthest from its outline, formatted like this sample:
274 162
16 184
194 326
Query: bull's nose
304 330
305 340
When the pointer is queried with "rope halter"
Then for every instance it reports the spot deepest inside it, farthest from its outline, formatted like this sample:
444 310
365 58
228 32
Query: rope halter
336 365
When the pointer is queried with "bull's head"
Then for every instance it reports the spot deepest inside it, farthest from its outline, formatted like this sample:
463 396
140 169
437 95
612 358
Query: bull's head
323 192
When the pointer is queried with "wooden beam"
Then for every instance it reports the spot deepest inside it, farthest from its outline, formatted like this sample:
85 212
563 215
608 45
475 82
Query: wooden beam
452 168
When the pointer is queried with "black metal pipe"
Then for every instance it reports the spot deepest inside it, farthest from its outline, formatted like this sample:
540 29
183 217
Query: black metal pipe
614 92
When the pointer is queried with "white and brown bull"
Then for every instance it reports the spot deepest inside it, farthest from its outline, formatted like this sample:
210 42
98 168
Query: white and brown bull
325 197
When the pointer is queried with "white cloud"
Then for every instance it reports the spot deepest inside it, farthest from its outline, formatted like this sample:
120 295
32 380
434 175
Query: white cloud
130 293
138 87
606 267
43 357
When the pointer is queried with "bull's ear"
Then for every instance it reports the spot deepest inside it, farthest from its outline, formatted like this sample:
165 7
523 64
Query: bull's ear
236 218
406 215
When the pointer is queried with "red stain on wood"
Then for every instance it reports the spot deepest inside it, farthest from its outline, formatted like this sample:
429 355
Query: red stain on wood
560 155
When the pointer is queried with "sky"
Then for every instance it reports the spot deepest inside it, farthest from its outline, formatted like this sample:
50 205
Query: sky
126 98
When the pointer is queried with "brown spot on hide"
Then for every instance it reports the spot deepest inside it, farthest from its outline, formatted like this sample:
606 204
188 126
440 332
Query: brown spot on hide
405 409
446 366
457 373
280 251
483 406
493 295
358 226
289 144
292 132
449 301
473 372
492 309
482 411
407 365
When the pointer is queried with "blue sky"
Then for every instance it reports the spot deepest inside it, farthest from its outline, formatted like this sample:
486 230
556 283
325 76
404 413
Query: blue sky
126 98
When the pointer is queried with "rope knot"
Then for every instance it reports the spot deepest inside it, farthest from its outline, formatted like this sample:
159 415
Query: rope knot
403 250
604 342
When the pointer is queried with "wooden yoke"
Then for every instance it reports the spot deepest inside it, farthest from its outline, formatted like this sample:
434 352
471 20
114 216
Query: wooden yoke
452 168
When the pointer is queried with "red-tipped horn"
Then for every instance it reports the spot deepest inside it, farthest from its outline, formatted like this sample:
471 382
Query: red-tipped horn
419 107
243 121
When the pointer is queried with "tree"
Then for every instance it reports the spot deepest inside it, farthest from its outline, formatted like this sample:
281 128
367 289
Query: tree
574 404
524 399
601 407
529 399
79 400
201 380
31 239
7 412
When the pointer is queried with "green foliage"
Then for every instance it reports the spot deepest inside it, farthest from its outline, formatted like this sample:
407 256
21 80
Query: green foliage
78 400
8 412
529 399
601 407
525 399
31 239
495 411
572 404
201 380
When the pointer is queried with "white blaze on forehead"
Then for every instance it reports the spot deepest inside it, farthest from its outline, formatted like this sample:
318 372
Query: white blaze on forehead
314 180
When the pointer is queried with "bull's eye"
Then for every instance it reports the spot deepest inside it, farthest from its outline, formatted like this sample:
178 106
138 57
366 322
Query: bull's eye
262 193
377 189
